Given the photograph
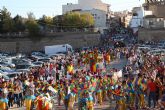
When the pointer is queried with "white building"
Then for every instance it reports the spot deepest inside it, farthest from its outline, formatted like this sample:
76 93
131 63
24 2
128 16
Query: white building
86 5
137 19
97 8
99 17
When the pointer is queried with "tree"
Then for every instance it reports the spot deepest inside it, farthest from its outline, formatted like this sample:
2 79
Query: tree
72 19
31 16
77 20
6 22
46 22
87 20
32 25
58 22
19 25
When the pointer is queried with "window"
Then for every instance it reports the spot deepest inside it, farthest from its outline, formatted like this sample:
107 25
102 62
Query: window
151 23
135 14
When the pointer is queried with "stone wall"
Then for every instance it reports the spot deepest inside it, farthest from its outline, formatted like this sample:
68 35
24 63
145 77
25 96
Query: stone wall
151 35
158 10
26 45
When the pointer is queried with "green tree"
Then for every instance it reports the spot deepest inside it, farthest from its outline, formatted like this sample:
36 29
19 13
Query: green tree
19 25
46 22
77 20
72 19
32 25
58 22
87 20
6 22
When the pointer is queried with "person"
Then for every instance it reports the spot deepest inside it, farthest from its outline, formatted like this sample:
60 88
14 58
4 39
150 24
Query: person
151 92
17 92
3 96
161 101
46 72
39 101
29 95
120 99
90 102
66 98
10 94
131 93
71 100
99 94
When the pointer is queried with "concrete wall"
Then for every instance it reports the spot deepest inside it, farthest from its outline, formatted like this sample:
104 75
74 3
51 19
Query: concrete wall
158 10
151 35
27 45
156 23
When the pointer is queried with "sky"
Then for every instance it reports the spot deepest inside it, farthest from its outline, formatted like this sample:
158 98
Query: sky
54 7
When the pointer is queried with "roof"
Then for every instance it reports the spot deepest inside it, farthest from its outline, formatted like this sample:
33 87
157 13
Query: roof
150 16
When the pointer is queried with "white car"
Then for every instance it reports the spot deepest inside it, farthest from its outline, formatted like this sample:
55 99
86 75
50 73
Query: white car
157 52
38 55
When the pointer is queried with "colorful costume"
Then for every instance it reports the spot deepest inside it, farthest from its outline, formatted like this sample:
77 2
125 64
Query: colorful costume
71 102
131 94
99 96
3 103
90 102
120 99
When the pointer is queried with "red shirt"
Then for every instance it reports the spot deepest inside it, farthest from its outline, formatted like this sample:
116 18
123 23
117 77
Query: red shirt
152 86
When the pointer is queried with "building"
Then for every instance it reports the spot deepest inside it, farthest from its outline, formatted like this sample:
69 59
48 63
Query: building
138 13
123 17
127 19
97 8
86 5
100 17
156 6
153 25
153 22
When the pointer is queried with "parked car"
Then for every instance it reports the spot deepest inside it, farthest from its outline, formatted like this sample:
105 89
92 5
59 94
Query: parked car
157 52
38 55
7 64
23 67
17 61
45 60
39 63
57 56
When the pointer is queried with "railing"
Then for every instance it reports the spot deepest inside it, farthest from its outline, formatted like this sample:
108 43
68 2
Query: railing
14 35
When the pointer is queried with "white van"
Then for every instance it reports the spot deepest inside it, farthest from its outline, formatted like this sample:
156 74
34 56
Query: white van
58 49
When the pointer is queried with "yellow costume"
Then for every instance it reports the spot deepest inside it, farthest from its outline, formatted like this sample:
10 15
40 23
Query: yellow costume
3 105
72 97
99 96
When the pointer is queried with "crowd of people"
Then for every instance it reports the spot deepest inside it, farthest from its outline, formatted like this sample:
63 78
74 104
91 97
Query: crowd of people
85 78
